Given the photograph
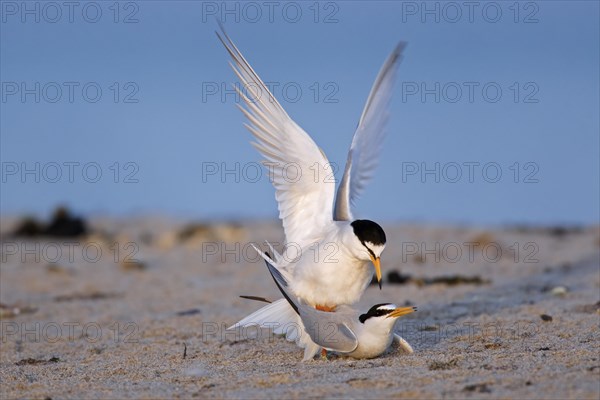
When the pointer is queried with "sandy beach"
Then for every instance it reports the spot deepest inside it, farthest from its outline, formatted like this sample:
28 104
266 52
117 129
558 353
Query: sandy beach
136 308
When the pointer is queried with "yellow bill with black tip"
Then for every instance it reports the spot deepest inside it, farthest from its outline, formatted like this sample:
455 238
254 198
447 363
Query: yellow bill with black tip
400 311
377 265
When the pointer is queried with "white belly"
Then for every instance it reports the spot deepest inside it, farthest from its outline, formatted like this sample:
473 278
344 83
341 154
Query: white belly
330 281
370 347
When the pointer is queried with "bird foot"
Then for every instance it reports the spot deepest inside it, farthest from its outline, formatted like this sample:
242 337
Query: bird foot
323 354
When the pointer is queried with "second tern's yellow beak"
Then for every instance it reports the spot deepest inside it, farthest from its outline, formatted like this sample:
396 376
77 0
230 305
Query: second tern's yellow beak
377 265
400 311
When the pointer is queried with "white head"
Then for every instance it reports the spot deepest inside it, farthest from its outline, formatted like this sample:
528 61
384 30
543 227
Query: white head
368 243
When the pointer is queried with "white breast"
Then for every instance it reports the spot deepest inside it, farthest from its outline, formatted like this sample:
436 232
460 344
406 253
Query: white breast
372 343
330 276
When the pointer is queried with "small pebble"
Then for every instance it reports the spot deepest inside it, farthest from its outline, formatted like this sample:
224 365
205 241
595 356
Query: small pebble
559 291
133 265
185 313
546 317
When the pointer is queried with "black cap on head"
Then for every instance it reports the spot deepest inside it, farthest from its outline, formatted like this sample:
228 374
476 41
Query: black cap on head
375 311
368 231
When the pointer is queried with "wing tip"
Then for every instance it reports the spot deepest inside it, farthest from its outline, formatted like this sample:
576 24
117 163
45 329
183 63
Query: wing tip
397 54
401 46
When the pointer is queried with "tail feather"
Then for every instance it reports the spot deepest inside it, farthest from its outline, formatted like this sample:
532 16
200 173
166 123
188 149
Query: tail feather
283 320
279 316
276 263
276 255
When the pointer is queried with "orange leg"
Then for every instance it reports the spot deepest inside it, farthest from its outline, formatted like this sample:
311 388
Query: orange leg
325 308
324 354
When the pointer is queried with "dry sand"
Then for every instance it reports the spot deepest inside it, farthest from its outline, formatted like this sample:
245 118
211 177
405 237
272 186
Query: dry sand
77 327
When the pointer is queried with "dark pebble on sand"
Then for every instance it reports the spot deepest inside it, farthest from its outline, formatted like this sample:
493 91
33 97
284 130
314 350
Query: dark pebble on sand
478 387
35 361
186 313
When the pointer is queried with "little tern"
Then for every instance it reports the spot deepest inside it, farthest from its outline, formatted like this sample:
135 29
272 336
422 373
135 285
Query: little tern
345 331
332 267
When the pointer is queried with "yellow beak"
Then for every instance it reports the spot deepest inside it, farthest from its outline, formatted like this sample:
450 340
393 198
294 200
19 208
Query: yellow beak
377 265
400 311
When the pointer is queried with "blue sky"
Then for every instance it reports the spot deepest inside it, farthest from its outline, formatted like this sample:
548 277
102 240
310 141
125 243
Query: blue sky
128 109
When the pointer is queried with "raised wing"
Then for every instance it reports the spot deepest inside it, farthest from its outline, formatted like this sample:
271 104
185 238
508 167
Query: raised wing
368 137
329 330
296 165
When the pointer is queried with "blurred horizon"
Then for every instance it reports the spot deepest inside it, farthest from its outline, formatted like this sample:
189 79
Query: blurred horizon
127 108
17 219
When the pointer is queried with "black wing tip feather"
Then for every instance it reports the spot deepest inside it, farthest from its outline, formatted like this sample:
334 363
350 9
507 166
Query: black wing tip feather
400 46
396 55
276 275
256 298
222 29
